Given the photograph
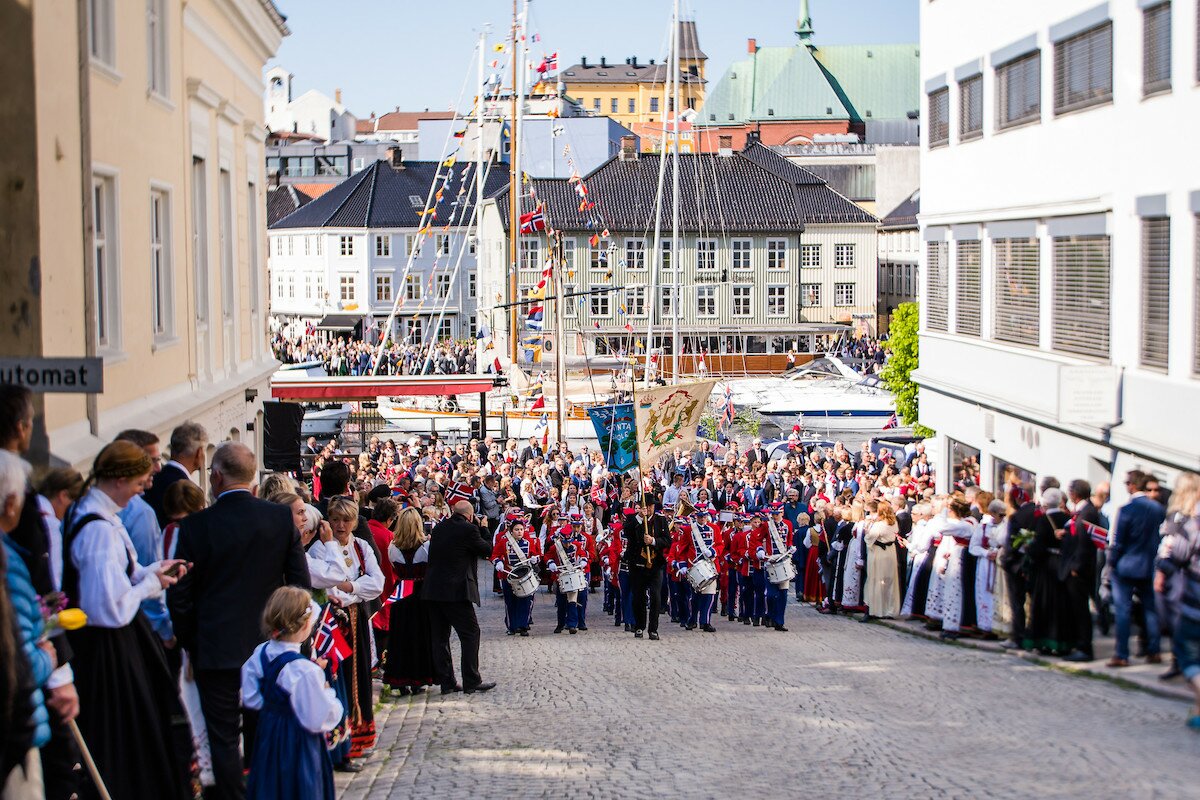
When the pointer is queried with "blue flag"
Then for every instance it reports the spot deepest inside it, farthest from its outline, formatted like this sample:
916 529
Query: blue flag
616 430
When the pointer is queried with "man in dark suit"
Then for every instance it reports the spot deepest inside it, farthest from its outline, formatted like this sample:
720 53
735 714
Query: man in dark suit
1012 561
451 592
756 454
241 549
188 442
643 530
1077 568
532 451
1131 559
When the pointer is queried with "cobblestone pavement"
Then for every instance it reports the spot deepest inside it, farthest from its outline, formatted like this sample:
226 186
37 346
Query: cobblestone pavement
831 708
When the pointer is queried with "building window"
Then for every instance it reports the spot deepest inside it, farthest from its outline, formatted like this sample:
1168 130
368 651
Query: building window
442 284
346 245
1019 91
472 327
568 253
843 294
598 256
357 164
613 105
471 284
531 252
320 247
632 105
383 245
346 288
412 287
743 301
667 300
600 306
741 253
810 294
1156 290
1156 48
706 254
843 255
596 103
277 242
635 253
291 245
706 301
1080 311
937 296
158 64
291 287
653 105
967 289
320 294
200 238
776 253
964 465
810 256
970 113
413 331
228 236
412 244
939 117
444 330
254 278
162 290
777 305
1083 70
570 300
1017 311
664 250
383 288
104 260
442 243
635 301
102 39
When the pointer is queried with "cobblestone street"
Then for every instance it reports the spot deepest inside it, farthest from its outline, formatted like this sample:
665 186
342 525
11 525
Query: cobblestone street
830 708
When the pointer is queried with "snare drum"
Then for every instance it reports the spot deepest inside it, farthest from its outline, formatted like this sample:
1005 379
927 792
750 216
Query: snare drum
523 579
780 569
701 574
573 581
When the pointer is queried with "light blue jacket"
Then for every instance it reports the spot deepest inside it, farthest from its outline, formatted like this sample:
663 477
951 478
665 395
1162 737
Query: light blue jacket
28 614
141 522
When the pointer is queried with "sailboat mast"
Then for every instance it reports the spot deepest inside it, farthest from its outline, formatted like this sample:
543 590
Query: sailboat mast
560 355
513 203
676 300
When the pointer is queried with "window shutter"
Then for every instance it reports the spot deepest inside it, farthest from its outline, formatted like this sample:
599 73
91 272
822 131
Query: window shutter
1083 69
1156 49
1019 91
1015 317
970 117
1080 311
936 295
1156 290
939 117
966 285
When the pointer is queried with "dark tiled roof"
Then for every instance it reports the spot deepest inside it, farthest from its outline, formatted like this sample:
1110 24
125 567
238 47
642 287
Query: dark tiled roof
905 214
283 200
621 73
380 197
689 42
753 190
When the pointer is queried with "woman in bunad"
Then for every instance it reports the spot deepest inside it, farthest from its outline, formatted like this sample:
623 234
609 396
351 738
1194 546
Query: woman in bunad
941 544
852 561
882 592
957 538
985 548
354 673
409 665
923 542
130 712
1050 630
518 611
814 587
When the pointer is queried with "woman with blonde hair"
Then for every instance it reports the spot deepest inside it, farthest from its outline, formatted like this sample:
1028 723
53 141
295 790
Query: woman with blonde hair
130 710
882 593
408 667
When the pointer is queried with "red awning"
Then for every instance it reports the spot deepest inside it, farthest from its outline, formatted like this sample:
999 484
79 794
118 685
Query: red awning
351 389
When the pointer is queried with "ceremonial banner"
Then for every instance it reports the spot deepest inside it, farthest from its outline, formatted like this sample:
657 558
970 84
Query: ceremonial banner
618 436
667 418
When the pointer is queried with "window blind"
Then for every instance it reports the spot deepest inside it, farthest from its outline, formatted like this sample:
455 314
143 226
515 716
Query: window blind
936 296
1015 317
1156 48
939 117
1080 310
1019 91
966 286
1156 290
1083 69
970 115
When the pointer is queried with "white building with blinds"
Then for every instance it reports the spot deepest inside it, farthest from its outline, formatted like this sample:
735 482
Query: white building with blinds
1060 225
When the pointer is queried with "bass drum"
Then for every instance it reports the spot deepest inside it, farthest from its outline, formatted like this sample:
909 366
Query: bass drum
780 569
523 579
701 574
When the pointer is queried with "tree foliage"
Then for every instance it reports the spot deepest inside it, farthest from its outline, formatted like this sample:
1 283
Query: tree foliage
905 357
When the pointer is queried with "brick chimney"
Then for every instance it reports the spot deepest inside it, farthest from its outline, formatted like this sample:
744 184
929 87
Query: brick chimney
725 145
337 96
629 151
752 46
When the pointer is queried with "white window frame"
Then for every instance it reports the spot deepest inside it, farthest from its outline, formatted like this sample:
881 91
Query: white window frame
383 280
291 243
102 36
809 298
472 285
839 251
530 254
441 244
345 246
806 255
838 300
600 305
706 255
320 238
412 244
106 261
777 294
158 59
777 254
441 286
412 287
706 301
666 297
347 280
741 250
569 301
665 256
383 245
635 253
162 266
445 331
742 295
635 301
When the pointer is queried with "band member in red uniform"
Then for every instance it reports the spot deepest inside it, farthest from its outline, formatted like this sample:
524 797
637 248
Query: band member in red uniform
578 529
675 582
728 577
704 545
778 540
518 611
567 560
616 574
739 562
758 572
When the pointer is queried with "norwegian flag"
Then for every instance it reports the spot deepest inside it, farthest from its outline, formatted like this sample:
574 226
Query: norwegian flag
548 63
456 491
1099 535
329 642
533 222
892 422
729 414
380 618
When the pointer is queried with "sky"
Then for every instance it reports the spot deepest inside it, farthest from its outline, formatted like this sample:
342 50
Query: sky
416 54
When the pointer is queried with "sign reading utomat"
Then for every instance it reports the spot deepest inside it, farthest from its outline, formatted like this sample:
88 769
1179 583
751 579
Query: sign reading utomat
77 375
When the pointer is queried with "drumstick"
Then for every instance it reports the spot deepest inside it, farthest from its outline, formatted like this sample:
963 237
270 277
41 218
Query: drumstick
88 761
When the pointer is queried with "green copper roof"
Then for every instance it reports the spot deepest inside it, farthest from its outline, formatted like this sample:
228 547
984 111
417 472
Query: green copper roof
837 82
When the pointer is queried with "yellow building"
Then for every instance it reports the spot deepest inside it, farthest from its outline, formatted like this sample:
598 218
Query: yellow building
635 91
143 205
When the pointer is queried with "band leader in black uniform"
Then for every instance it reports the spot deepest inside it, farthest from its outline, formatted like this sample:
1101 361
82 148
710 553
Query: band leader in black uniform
646 541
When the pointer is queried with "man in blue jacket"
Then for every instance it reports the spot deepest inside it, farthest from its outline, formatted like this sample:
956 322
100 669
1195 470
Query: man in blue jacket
1131 559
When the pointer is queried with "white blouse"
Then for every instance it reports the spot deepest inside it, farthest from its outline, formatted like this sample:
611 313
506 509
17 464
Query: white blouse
315 705
101 552
325 566
365 576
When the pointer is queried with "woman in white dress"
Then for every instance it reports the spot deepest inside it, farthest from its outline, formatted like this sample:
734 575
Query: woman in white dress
854 564
955 540
985 548
882 594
